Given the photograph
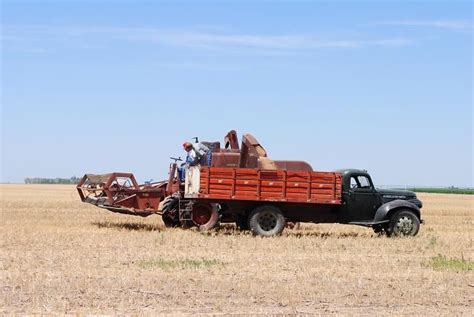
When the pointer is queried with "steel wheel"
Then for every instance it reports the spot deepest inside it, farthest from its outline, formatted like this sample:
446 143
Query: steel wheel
205 216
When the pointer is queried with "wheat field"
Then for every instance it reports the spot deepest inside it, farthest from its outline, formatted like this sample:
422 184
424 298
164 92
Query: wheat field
58 255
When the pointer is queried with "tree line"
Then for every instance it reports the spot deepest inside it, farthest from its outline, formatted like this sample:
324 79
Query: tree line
40 180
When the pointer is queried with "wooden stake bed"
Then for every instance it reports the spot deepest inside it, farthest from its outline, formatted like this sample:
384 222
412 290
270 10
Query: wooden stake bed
270 185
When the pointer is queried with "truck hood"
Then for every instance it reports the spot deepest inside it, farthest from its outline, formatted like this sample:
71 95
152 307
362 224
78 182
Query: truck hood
394 194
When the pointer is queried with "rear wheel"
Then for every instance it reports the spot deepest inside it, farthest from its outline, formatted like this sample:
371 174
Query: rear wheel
205 216
403 223
266 220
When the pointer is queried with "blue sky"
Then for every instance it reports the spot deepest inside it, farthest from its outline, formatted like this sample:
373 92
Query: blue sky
100 86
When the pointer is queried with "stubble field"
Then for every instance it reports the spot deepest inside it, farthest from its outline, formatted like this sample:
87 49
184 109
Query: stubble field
58 255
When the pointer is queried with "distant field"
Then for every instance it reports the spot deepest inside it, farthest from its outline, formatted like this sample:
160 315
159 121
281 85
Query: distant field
465 191
60 256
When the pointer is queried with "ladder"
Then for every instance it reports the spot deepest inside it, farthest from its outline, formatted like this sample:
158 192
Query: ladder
186 209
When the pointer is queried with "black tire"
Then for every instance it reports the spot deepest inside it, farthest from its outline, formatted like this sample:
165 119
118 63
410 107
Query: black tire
266 220
170 215
403 223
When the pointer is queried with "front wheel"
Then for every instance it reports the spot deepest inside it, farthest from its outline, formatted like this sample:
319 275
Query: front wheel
403 223
266 220
170 212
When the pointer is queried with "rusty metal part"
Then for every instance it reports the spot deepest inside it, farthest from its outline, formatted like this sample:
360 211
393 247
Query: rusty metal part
293 166
250 147
121 193
231 140
173 179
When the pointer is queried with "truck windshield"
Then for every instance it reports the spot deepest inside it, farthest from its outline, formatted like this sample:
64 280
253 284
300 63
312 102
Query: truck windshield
363 181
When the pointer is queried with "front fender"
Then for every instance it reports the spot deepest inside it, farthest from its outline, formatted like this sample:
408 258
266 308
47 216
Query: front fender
385 209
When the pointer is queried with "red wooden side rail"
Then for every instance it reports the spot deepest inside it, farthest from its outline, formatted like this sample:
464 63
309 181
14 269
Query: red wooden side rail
270 185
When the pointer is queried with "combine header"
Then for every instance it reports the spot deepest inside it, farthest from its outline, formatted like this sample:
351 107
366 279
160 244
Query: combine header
121 193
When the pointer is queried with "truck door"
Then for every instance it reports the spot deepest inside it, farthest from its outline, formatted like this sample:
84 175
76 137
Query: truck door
363 199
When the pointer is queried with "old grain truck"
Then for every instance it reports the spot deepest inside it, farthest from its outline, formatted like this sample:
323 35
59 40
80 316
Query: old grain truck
243 186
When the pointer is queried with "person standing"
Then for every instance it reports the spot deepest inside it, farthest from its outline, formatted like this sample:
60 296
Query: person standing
190 157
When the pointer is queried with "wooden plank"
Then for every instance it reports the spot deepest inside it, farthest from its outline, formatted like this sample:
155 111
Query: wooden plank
246 182
271 183
303 197
321 186
222 181
273 195
323 192
275 189
220 192
220 187
298 176
309 186
233 182
334 187
208 179
246 187
303 185
259 185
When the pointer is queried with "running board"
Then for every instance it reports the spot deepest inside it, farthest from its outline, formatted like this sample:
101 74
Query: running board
368 223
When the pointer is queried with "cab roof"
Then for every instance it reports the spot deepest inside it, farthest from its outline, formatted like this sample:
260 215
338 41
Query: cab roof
346 171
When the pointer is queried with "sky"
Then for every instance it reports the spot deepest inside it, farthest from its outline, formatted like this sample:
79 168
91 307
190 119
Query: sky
102 86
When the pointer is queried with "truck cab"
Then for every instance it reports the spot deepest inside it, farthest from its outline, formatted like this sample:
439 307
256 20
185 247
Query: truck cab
378 208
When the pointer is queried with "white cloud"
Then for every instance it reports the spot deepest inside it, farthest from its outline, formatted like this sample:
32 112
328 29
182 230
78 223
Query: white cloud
196 39
443 24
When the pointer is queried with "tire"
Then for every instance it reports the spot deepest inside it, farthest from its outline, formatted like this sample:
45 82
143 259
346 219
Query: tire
266 220
403 223
170 215
205 216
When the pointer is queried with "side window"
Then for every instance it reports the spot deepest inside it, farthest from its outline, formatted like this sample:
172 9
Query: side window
354 183
363 182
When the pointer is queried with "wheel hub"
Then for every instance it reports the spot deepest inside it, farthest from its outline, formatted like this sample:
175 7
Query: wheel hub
267 221
201 214
404 225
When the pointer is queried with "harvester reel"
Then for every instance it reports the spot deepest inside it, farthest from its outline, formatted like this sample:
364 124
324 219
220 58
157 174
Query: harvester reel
120 192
